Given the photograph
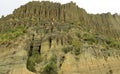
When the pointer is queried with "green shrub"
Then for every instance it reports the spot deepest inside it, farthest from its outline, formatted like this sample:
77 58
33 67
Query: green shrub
54 59
34 58
50 68
66 49
76 46
31 64
77 51
90 38
113 43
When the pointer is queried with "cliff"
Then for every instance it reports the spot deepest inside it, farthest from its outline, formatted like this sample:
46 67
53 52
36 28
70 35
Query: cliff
53 38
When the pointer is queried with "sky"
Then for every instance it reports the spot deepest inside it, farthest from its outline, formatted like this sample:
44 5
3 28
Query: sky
91 6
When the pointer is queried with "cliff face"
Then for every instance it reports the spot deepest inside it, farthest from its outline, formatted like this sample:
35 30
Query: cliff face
53 38
48 11
34 12
106 24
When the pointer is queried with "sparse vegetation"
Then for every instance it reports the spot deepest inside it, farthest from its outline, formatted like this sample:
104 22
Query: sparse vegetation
11 33
51 67
77 51
113 43
90 38
53 26
34 58
67 49
76 46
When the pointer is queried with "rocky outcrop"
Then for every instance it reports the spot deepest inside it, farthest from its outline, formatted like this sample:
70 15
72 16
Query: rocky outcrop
13 57
60 39
20 70
35 12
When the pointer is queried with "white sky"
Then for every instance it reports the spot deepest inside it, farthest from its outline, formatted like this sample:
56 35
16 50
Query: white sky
91 6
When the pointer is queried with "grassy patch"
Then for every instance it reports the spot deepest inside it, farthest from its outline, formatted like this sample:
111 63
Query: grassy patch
89 38
113 43
66 49
11 33
51 67
34 58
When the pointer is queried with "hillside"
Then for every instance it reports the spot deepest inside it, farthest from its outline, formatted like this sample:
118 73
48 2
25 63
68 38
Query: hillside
53 38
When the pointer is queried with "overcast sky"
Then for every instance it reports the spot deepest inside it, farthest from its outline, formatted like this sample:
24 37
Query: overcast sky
91 6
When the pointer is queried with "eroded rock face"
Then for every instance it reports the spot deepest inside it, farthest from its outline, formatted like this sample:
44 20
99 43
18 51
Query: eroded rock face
89 65
20 70
13 58
90 59
60 41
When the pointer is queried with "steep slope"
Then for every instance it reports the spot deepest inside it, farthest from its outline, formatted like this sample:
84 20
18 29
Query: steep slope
54 38
13 56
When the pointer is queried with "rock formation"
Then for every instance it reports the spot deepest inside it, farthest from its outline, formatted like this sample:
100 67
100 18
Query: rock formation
53 38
